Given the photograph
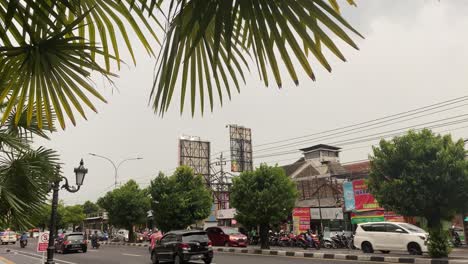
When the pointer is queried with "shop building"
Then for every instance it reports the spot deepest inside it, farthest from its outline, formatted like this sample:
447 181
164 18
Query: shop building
320 204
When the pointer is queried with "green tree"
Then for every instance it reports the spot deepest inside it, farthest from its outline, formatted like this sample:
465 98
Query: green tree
421 174
179 200
74 215
127 206
263 198
90 208
48 49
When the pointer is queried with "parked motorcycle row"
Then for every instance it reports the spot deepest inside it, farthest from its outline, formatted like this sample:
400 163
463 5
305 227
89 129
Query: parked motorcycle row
303 240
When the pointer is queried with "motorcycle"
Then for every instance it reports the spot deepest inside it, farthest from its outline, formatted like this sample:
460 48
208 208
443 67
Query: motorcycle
95 244
456 241
305 243
23 243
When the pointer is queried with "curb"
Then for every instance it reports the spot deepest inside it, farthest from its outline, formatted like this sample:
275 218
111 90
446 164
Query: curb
318 255
125 244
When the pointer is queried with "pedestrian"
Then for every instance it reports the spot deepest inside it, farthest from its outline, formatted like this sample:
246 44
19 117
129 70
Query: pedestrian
157 235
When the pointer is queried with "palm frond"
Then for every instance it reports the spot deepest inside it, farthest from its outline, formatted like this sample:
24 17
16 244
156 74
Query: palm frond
24 183
209 41
49 74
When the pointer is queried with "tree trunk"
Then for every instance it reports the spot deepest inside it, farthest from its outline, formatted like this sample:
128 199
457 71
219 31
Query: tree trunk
130 234
264 243
438 244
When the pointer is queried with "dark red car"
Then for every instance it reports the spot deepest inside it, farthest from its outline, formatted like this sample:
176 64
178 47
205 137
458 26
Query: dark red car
226 236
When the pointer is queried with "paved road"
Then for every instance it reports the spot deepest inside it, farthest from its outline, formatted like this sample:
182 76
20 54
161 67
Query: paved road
139 255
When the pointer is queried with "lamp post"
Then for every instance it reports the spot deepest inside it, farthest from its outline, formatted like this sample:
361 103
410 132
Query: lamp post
116 167
80 174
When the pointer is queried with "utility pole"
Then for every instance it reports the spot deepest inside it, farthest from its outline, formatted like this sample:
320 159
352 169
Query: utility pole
320 206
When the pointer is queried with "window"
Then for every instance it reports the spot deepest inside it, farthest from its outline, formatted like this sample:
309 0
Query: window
413 228
392 228
168 238
366 227
378 228
198 237
75 237
230 231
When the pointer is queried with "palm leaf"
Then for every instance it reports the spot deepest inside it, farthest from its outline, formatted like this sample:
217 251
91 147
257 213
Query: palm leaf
217 37
49 74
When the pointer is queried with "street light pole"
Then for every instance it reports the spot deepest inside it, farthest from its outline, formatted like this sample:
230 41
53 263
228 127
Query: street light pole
116 167
80 173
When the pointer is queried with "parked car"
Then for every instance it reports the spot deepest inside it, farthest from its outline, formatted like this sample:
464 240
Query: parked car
102 236
7 237
387 236
122 234
73 241
226 236
183 246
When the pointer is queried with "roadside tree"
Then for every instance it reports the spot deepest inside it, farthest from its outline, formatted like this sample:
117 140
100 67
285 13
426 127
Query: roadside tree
179 200
263 198
127 206
73 215
90 208
422 174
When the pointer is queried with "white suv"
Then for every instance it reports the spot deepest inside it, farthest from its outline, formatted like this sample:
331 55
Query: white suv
7 237
386 236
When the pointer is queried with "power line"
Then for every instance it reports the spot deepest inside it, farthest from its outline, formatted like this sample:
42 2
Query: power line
391 117
377 136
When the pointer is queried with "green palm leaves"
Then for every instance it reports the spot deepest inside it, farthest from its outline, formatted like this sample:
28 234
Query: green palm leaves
50 48
25 173
209 42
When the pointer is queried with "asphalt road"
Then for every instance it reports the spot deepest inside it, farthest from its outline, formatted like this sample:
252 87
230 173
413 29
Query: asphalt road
138 255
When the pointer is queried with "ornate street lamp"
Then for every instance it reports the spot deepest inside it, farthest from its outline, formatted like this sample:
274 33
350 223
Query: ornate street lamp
80 174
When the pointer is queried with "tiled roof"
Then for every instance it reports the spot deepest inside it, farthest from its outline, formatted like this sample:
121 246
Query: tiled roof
335 168
358 167
291 168
309 170
320 146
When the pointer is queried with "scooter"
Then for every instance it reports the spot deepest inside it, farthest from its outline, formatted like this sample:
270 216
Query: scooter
95 244
23 243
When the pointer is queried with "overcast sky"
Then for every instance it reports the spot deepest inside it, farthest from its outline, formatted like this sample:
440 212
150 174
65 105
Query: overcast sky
415 54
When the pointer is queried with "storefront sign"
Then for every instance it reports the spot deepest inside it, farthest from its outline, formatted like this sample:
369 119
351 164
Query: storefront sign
362 198
370 216
393 217
226 213
348 193
301 220
327 213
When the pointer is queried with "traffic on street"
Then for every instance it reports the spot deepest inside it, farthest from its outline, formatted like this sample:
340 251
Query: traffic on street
138 255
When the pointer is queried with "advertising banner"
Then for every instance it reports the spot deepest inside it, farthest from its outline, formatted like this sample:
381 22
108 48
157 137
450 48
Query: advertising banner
363 200
327 213
301 220
370 216
393 217
348 193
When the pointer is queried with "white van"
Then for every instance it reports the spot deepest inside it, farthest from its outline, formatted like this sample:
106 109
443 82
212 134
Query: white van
387 236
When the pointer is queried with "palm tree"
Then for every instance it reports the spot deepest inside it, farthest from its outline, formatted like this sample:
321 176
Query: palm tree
48 48
25 173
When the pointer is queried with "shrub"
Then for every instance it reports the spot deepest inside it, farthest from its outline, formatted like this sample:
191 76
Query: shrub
438 244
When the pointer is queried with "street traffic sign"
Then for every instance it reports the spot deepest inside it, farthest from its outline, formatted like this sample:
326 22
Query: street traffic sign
43 242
